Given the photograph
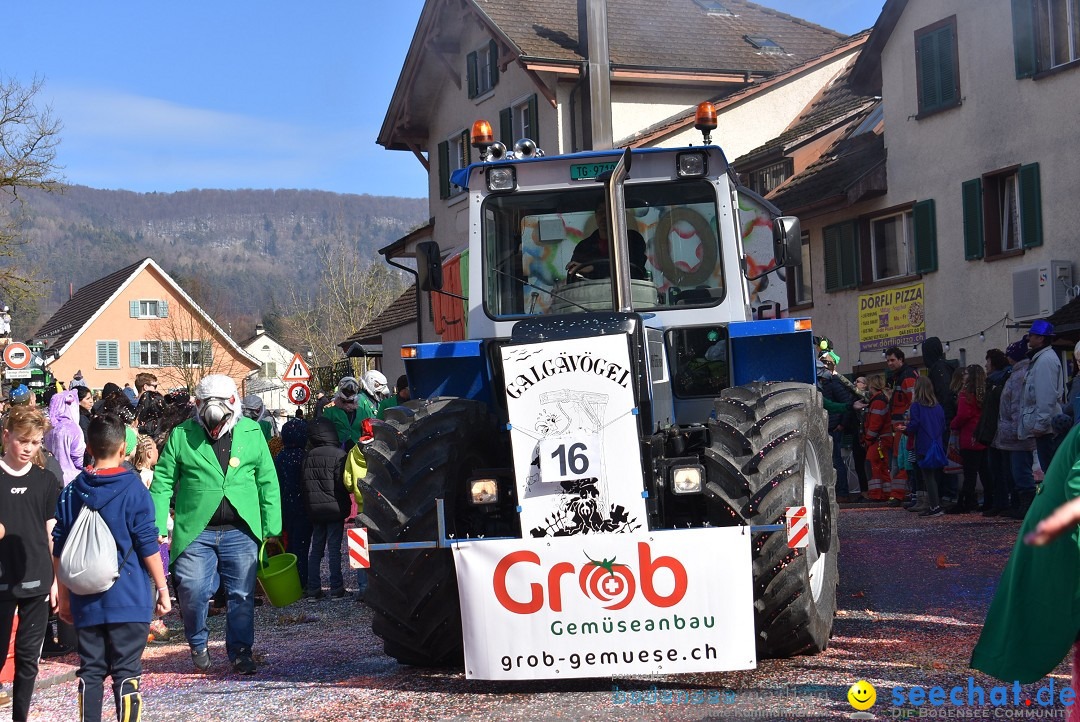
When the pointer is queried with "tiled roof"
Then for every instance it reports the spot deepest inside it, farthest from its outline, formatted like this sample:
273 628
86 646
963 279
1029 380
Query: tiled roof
832 175
1067 318
70 318
398 313
834 105
669 34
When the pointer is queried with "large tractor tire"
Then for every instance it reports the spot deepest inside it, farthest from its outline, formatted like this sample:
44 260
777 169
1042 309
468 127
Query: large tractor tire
770 449
424 451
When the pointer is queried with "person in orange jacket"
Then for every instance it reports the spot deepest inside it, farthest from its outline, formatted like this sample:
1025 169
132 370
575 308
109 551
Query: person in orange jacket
902 378
877 437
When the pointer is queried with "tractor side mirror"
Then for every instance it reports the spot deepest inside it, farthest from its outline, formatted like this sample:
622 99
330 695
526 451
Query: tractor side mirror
429 266
787 241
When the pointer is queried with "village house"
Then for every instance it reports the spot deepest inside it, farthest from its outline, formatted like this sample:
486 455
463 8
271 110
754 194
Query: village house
535 77
946 207
274 358
139 319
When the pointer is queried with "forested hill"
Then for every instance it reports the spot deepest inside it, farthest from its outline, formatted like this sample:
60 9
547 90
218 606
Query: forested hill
248 246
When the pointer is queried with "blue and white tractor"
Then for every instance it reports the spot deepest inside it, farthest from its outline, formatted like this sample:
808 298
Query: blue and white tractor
630 438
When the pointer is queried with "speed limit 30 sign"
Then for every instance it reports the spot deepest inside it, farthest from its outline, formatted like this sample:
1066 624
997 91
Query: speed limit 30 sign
299 393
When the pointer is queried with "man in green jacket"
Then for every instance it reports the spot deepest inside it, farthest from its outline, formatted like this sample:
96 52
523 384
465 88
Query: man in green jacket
227 500
350 407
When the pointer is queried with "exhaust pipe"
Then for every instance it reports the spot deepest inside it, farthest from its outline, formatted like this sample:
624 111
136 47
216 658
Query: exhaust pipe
620 252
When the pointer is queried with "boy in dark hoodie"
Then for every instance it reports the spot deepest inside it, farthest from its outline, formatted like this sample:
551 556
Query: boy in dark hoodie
112 626
327 504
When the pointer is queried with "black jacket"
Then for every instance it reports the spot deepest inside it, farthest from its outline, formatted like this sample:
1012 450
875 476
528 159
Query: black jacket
322 476
940 370
834 390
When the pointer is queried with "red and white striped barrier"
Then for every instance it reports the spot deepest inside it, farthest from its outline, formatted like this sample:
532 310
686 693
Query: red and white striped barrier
797 527
359 556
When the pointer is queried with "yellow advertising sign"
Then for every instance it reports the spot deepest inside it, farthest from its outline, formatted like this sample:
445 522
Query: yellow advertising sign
892 317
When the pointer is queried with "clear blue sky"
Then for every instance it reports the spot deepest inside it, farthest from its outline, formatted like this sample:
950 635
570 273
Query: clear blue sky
164 96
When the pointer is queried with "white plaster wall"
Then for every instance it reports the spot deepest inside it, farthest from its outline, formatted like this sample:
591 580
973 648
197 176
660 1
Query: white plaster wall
763 115
272 399
393 339
636 106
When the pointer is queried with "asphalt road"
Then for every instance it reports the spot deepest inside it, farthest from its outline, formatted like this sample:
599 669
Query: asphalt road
912 597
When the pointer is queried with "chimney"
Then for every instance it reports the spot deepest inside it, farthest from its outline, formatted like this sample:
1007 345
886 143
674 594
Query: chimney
71 291
259 329
592 31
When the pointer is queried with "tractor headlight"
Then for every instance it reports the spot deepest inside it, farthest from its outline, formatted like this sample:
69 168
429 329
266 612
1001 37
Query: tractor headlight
687 479
483 491
503 178
692 164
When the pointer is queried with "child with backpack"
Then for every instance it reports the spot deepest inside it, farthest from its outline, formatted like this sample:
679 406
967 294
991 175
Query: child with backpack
112 624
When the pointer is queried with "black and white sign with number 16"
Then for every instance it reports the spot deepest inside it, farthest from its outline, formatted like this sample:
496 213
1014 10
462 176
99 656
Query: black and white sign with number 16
563 458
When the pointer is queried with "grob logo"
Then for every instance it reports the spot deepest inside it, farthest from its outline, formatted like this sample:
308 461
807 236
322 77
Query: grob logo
611 583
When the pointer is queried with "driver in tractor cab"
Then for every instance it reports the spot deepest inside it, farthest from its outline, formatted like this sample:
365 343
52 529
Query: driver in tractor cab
591 259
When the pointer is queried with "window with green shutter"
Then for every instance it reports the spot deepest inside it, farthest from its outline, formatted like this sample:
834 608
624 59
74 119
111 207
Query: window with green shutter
937 66
482 69
973 219
108 354
520 120
1030 205
1046 35
454 153
841 256
925 223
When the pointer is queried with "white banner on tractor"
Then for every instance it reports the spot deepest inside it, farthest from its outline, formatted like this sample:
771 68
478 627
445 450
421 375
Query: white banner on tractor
574 436
592 606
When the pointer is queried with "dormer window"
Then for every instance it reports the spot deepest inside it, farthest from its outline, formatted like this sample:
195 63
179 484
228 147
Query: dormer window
764 44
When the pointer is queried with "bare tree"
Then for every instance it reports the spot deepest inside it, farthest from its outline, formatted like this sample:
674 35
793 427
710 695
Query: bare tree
350 293
184 348
29 137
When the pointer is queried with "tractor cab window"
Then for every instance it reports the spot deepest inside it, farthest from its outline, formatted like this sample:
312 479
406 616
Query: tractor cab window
546 252
699 360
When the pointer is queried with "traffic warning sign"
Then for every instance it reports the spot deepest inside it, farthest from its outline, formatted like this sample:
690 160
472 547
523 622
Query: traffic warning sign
359 557
17 355
297 371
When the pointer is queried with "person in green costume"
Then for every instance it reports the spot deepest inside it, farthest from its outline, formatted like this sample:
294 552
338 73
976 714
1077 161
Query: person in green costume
1033 619
397 399
227 499
350 407
255 410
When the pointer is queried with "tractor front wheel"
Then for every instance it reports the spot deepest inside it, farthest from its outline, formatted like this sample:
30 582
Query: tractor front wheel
770 449
424 451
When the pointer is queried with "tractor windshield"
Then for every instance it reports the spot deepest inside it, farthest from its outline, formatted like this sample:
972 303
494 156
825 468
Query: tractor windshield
544 252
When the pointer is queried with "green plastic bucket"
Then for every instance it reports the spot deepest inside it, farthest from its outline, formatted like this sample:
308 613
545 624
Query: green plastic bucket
278 577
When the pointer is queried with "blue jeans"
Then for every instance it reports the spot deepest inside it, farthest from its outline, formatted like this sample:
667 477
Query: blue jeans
838 464
228 556
323 535
1046 446
1020 464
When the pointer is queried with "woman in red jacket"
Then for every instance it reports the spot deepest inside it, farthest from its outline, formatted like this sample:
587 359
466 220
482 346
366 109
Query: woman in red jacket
976 464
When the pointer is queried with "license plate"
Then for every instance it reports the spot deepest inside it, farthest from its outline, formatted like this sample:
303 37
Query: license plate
584 171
